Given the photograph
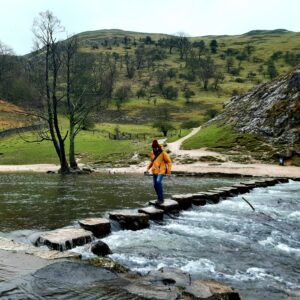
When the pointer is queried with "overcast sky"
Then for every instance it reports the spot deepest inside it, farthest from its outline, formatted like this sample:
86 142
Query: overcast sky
194 17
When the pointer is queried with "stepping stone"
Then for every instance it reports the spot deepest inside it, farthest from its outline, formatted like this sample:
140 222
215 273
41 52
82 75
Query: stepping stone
167 206
184 200
130 219
199 202
222 193
271 181
261 183
65 238
251 184
100 227
231 190
242 188
208 196
153 212
284 180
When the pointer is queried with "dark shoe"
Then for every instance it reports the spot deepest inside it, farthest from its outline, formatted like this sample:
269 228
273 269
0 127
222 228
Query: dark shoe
159 202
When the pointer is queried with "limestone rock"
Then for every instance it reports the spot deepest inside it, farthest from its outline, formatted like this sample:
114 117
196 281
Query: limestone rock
129 219
210 290
271 110
168 205
184 200
65 238
153 212
98 226
146 290
171 276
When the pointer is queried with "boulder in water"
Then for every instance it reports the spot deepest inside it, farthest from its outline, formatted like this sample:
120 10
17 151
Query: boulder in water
100 248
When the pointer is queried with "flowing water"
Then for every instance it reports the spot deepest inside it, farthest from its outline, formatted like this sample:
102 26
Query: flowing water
258 252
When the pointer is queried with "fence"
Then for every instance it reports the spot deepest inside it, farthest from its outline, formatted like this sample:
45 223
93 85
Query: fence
138 136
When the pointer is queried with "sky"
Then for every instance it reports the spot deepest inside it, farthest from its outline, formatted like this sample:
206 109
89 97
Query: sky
194 17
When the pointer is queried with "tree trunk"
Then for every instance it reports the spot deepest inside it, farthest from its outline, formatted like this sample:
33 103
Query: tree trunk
205 84
72 159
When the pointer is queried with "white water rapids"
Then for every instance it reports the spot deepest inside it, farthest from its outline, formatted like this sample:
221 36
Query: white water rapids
256 252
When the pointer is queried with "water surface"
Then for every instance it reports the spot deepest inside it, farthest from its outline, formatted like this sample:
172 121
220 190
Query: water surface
256 252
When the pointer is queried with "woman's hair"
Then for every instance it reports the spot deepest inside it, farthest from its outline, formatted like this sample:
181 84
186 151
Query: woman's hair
155 144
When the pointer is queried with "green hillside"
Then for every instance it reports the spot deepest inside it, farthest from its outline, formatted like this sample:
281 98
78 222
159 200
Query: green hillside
242 61
158 78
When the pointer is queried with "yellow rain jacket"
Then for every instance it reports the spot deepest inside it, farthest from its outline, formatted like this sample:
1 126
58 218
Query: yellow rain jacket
161 165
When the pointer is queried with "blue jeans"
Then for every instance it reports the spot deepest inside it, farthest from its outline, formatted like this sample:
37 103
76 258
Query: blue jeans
157 182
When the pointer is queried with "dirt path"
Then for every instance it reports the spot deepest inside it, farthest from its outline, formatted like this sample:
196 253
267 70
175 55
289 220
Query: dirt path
175 148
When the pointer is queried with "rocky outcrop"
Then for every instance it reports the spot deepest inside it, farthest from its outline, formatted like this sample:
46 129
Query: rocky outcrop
171 283
271 110
210 290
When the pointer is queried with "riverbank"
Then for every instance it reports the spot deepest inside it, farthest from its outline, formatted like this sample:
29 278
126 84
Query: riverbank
198 168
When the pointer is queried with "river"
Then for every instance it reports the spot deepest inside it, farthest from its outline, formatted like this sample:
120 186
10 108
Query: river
258 252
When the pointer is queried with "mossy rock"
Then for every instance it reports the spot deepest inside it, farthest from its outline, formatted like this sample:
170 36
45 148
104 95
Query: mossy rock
109 264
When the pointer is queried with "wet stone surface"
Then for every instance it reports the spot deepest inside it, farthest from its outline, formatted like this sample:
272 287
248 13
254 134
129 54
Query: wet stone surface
65 238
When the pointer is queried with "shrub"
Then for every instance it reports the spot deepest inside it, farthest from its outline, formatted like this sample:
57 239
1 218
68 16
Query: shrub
141 93
239 80
170 92
171 73
188 77
88 123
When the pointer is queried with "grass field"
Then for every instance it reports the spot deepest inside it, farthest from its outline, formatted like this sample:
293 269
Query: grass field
240 147
91 146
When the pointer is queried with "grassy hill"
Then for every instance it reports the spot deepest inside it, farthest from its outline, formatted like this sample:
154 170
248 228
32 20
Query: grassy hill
11 116
243 61
280 47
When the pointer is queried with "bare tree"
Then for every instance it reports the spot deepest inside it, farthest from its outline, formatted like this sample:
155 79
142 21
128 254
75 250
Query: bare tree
183 45
76 68
46 29
130 65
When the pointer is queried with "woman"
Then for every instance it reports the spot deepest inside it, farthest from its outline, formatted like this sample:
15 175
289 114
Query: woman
160 165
